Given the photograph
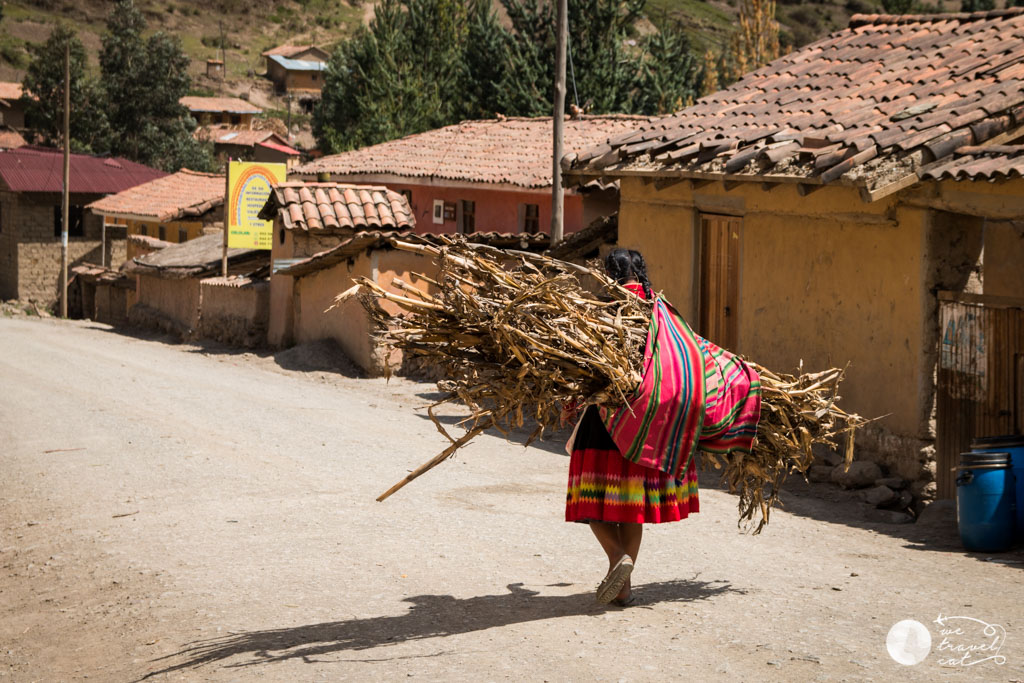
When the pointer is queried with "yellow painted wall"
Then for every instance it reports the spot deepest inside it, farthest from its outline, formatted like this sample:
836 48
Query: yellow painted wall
825 279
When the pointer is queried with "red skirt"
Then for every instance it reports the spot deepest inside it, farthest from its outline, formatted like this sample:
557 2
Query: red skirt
605 487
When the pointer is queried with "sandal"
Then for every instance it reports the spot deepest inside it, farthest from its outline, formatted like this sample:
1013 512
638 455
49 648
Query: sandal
615 580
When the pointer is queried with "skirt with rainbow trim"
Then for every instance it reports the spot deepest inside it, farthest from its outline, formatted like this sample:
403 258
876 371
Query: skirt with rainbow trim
605 487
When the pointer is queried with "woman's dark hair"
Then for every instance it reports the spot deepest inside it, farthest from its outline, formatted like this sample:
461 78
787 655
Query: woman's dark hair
619 265
627 264
640 271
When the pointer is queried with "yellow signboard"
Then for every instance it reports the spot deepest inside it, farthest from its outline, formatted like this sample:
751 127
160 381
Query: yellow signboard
249 186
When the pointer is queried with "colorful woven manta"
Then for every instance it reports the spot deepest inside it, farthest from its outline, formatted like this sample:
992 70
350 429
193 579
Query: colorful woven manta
693 395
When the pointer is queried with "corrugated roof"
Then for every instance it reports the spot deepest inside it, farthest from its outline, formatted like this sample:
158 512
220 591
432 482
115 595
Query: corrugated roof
335 206
230 105
512 151
857 105
181 194
218 134
998 162
41 169
298 64
284 149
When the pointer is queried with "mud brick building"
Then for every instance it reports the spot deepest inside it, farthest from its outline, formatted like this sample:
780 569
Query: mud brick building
478 176
297 69
815 210
230 111
30 216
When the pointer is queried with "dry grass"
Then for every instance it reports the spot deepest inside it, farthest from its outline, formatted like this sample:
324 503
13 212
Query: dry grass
521 335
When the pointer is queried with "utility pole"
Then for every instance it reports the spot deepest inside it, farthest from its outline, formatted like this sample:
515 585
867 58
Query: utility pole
558 123
223 54
65 208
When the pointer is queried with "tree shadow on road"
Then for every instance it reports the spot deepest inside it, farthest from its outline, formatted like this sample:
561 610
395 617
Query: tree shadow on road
431 616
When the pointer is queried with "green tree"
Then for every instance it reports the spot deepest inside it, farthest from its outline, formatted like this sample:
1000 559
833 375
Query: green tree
144 78
669 76
977 5
45 79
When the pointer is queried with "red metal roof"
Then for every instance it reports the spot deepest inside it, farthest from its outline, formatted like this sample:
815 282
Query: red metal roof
284 149
41 169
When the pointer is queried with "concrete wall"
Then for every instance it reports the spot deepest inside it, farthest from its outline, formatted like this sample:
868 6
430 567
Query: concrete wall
349 324
1004 258
235 315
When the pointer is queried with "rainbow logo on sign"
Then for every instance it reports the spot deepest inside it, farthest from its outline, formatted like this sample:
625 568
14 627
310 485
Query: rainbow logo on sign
249 185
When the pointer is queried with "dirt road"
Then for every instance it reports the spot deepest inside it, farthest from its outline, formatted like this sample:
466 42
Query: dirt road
178 512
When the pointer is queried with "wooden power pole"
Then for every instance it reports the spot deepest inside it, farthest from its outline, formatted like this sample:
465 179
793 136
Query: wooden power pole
66 199
558 121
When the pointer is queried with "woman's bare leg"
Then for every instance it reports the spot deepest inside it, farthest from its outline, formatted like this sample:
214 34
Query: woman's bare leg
608 536
630 536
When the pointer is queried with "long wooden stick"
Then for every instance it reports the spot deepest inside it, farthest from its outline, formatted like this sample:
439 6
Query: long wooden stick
437 459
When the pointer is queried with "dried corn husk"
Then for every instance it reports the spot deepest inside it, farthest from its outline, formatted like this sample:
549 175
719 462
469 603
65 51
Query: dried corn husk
521 335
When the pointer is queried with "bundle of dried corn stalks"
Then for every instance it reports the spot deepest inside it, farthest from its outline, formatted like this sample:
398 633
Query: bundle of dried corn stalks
520 335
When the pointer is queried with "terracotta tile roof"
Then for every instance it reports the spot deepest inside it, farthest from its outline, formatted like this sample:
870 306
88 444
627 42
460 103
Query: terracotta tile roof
882 96
11 139
10 91
231 105
986 163
40 169
328 207
512 151
149 242
179 195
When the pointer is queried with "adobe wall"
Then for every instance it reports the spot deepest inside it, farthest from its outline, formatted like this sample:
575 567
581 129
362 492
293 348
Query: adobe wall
235 315
169 305
348 324
824 279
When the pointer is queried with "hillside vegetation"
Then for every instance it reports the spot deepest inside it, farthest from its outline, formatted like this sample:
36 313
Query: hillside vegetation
251 26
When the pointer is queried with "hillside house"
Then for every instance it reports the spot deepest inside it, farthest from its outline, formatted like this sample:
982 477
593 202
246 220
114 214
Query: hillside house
12 105
249 145
172 209
492 175
230 111
813 210
297 69
31 180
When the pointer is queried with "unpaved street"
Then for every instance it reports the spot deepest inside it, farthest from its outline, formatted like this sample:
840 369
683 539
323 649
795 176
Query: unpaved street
194 513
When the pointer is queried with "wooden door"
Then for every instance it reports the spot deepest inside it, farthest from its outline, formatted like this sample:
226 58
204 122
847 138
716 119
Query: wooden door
719 278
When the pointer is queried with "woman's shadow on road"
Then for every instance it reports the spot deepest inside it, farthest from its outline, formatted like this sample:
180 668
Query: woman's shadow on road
431 616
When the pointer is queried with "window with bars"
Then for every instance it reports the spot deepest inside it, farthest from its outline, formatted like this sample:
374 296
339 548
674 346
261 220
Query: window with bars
144 230
182 235
531 218
162 232
468 216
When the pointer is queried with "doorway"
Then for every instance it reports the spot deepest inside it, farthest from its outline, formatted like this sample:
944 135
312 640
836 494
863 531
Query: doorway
719 278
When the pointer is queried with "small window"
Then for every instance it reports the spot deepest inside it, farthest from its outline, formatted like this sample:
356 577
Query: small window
314 77
76 221
236 119
438 211
182 235
162 232
407 194
144 230
531 218
468 216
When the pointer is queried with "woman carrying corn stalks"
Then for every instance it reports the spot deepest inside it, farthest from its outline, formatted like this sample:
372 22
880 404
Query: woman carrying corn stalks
635 464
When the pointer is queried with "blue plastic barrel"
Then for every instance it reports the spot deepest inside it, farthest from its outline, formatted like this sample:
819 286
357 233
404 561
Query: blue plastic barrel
985 502
1014 445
